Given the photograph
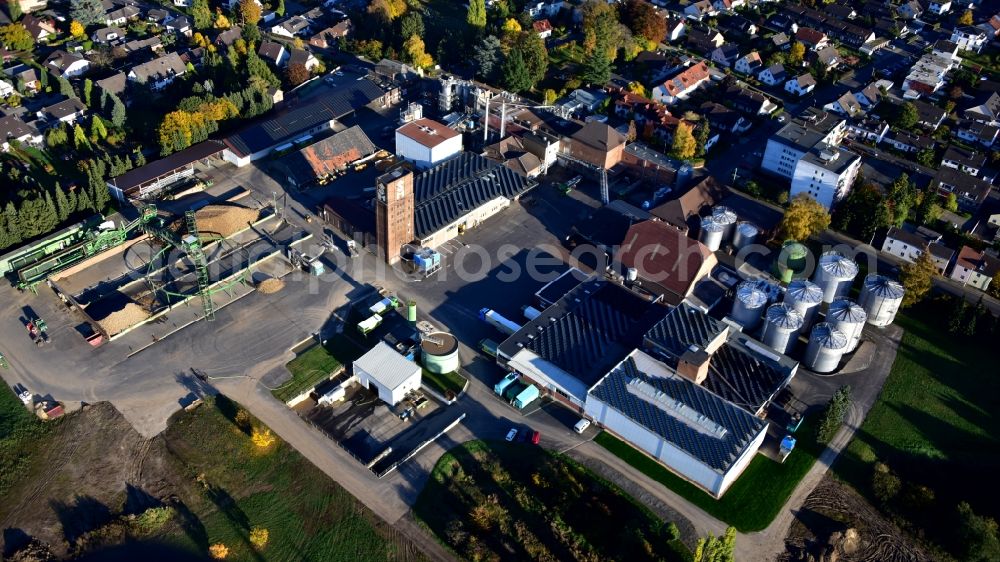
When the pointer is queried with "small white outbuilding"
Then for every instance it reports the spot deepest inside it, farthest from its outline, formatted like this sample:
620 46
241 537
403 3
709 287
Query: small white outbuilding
384 370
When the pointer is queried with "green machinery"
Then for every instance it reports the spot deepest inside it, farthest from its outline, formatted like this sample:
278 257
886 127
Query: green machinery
30 275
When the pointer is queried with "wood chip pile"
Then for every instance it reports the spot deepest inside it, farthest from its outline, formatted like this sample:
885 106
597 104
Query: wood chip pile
121 320
270 286
225 220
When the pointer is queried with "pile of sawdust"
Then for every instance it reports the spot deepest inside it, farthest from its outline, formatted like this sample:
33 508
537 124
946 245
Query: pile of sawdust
121 320
270 286
225 220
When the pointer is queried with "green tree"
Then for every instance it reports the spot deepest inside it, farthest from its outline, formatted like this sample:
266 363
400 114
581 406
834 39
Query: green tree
596 68
716 549
643 20
486 54
476 16
980 538
796 54
804 218
14 10
902 196
833 415
280 10
65 88
201 14
15 37
684 145
926 157
993 289
97 129
249 12
12 224
965 18
117 111
536 57
951 203
928 211
37 216
702 132
515 73
917 278
885 484
88 90
64 208
79 138
84 204
87 12
411 24
139 158
906 116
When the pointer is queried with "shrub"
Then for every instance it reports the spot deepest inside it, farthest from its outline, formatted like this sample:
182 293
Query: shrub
885 484
833 416
218 551
258 537
152 520
262 438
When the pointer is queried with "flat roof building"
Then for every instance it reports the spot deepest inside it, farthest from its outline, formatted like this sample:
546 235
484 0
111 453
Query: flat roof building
385 371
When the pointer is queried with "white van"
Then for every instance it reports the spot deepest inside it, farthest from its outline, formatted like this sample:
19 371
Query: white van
581 425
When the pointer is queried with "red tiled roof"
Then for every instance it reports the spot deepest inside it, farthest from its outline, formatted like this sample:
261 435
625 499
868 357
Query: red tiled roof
810 35
687 79
542 26
663 255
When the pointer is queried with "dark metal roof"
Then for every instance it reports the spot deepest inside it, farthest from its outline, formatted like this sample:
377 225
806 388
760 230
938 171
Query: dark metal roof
153 170
743 378
290 124
452 189
683 327
558 287
681 412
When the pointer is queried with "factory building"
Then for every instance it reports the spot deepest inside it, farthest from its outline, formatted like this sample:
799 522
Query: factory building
385 371
426 142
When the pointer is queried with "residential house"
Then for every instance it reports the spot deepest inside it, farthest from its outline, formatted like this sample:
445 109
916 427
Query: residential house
41 29
939 7
183 3
294 26
868 129
597 144
181 25
800 85
928 115
871 95
684 212
700 10
66 111
828 57
107 34
976 268
773 75
12 128
158 16
721 118
846 105
748 102
909 142
911 9
583 102
812 38
228 37
966 161
158 73
991 26
969 38
675 29
704 41
739 26
543 28
726 55
114 84
6 89
986 110
328 37
511 152
977 132
121 16
909 246
273 52
749 63
681 85
154 44
970 192
840 11
946 49
304 58
728 5
66 65
928 75
781 41
28 6
27 75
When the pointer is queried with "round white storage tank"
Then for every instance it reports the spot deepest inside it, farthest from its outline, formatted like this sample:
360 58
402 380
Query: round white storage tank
440 352
711 233
781 327
826 347
727 218
744 235
848 317
749 304
805 296
834 275
881 297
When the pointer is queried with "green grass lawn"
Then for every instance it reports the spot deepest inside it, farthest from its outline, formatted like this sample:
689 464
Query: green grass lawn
315 364
935 424
503 501
238 486
445 382
756 497
20 430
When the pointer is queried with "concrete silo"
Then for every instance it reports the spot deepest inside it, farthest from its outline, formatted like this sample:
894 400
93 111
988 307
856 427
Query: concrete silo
805 296
749 304
881 297
848 317
727 218
834 275
744 235
827 346
781 327
711 233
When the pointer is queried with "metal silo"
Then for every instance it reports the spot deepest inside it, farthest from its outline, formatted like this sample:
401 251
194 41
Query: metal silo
881 297
834 275
805 296
727 218
711 233
826 346
781 327
744 235
791 260
848 317
749 304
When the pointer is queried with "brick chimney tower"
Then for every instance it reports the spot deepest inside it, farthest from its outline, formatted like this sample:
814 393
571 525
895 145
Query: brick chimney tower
394 208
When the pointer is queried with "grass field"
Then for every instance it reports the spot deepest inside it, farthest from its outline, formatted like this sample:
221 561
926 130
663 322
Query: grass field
19 432
315 364
935 425
308 516
445 382
756 497
501 501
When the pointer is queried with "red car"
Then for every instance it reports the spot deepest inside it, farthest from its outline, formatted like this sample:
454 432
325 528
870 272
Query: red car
535 437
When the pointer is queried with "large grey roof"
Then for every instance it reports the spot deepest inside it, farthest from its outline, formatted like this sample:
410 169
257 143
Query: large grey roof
683 327
695 420
453 188
386 365
744 378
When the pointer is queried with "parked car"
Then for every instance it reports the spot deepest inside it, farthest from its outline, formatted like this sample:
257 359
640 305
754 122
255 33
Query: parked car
512 434
581 425
536 436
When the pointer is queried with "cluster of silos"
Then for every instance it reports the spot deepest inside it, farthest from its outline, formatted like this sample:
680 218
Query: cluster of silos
727 218
749 304
782 324
805 297
712 233
848 317
827 345
880 298
744 235
835 274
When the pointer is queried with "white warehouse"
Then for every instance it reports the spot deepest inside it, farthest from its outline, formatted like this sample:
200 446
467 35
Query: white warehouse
703 438
426 142
384 370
